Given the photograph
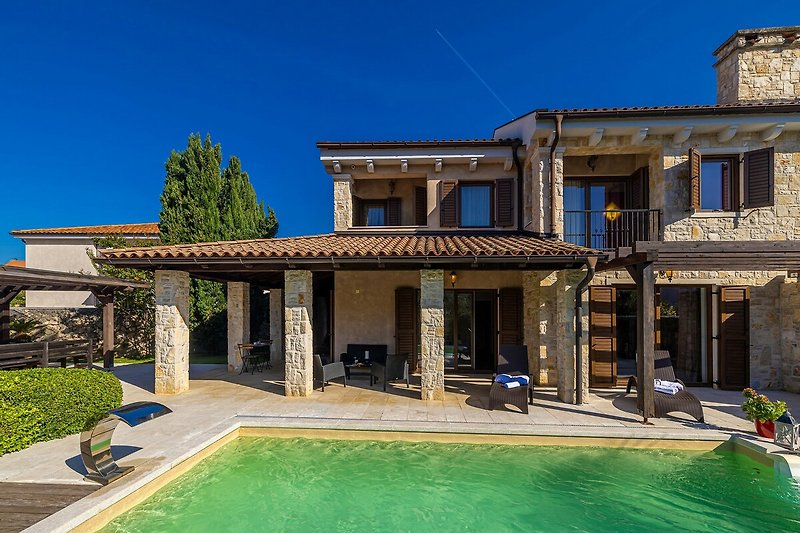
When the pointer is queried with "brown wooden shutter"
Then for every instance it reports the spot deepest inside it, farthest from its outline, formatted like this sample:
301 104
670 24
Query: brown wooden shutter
511 316
406 323
448 204
358 212
504 198
695 161
602 336
640 183
726 187
734 337
759 178
421 206
393 212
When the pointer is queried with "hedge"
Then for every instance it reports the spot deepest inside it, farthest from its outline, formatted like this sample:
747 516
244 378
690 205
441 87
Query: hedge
42 404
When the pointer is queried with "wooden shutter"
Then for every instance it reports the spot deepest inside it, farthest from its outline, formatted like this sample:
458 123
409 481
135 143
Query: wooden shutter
602 336
640 189
358 212
405 320
421 206
504 198
694 178
393 212
511 316
448 204
759 178
734 337
726 187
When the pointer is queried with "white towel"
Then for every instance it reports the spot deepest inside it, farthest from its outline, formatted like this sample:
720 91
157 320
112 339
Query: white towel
667 387
511 385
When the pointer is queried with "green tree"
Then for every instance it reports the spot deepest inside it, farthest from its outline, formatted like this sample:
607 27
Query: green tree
201 202
134 311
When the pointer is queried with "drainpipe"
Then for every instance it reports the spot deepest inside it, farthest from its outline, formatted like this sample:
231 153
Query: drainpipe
520 202
559 118
591 263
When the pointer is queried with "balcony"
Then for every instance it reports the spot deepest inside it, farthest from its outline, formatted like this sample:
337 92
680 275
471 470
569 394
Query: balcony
609 230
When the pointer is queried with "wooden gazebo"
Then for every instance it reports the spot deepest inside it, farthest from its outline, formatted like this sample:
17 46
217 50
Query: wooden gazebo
646 258
14 280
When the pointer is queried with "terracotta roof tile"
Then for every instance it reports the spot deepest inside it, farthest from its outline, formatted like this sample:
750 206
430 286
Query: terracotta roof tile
147 228
19 263
363 246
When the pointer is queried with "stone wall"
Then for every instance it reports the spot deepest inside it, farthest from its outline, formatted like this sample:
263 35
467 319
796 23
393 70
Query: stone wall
760 65
172 332
276 326
342 202
432 334
790 334
238 304
47 324
299 338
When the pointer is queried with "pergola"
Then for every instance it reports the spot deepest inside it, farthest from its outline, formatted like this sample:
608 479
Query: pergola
645 258
14 280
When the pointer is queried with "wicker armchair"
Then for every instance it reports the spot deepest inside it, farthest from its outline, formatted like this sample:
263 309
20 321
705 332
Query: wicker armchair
512 359
682 402
393 368
325 373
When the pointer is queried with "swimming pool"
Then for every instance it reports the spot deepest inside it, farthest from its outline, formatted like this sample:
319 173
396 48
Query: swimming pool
298 484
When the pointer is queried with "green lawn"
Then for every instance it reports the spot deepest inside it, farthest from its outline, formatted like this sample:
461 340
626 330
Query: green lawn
194 359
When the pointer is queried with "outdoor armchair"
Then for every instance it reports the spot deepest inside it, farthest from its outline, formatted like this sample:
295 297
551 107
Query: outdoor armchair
325 373
682 402
512 359
393 368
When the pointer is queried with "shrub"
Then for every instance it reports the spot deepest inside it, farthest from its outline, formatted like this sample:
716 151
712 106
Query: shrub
42 404
759 407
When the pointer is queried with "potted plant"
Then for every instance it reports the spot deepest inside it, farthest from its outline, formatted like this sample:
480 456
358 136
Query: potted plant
762 411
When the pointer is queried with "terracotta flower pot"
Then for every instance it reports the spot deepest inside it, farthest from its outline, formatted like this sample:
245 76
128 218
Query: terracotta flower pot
766 428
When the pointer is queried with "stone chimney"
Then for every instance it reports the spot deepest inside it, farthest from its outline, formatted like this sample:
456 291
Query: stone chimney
760 65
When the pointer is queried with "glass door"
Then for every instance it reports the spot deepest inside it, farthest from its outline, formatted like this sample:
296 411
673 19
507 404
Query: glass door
459 330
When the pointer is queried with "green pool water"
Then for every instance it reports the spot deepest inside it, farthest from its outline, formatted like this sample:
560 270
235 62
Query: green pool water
264 484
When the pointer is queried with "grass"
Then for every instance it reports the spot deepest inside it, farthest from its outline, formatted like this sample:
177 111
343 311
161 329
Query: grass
193 359
129 361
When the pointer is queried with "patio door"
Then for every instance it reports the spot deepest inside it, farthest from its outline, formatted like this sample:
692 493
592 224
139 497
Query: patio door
734 346
469 330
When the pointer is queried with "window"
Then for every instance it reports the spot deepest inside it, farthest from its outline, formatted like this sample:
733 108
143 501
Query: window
375 213
475 205
716 182
718 190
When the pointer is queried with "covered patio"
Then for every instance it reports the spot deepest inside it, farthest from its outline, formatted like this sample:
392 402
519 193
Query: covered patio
548 276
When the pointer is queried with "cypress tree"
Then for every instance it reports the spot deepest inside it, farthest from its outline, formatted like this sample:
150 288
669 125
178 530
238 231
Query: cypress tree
243 215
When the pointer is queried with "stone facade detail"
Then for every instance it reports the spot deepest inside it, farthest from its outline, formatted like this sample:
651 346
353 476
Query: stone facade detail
238 322
298 335
432 334
342 202
530 321
759 66
276 326
790 334
172 332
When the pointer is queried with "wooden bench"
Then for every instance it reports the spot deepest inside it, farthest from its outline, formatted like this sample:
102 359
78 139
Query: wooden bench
43 354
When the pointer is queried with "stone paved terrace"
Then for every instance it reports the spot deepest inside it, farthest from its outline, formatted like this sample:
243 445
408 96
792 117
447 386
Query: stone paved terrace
215 397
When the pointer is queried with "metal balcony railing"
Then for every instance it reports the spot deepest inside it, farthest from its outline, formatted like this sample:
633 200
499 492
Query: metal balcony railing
609 230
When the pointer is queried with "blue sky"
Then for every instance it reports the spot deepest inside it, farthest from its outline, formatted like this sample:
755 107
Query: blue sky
94 95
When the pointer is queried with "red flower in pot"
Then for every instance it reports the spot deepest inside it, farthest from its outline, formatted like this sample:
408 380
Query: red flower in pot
762 411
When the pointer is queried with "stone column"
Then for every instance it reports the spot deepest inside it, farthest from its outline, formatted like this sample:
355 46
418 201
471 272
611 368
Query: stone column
531 337
172 332
299 338
790 334
342 202
238 322
565 341
431 305
276 326
559 191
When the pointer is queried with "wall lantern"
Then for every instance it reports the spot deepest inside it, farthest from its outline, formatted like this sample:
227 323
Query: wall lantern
665 274
453 278
612 211
96 442
787 431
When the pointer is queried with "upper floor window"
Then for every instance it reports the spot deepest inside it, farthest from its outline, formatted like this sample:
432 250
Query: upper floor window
716 182
475 205
375 213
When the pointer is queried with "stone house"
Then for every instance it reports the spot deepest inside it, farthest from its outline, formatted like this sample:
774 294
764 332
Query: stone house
444 250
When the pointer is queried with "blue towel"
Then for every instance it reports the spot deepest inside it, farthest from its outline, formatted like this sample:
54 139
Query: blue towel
507 378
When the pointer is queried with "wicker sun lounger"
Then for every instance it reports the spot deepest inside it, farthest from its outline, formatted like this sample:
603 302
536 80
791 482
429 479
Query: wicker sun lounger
682 402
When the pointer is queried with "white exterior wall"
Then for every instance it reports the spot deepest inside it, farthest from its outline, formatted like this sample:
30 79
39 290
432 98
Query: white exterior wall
64 254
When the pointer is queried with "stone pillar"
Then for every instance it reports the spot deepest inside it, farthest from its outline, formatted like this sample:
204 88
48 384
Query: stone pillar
299 337
530 333
431 305
172 332
557 331
276 326
790 334
559 191
238 322
342 202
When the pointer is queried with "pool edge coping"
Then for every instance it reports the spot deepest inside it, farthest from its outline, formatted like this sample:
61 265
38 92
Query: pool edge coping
97 510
